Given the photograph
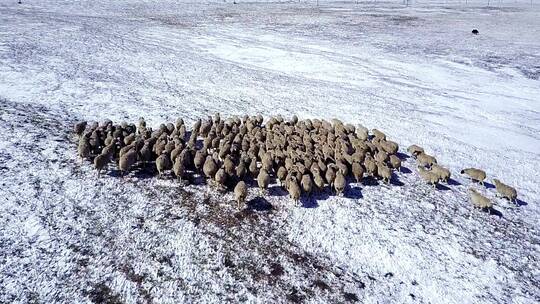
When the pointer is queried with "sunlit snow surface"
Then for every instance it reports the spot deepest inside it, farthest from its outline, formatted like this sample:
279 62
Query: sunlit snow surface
416 73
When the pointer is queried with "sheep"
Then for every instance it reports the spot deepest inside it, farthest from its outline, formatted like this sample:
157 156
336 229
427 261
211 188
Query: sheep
163 163
182 132
475 174
429 176
176 152
199 160
443 173
384 172
263 180
108 140
100 162
267 161
240 193
381 157
109 150
343 167
395 162
358 157
129 139
389 146
339 183
185 157
414 150
318 180
370 165
378 134
293 189
178 168
79 128
229 166
127 160
209 168
480 201
141 124
362 132
220 178
425 160
84 148
330 175
505 191
253 170
281 174
357 171
306 183
241 170
322 165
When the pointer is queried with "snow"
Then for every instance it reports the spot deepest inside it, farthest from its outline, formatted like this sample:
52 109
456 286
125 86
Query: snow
414 72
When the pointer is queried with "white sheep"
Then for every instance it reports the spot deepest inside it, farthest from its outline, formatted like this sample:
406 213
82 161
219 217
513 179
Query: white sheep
505 191
339 183
163 163
475 174
240 193
414 150
480 201
101 162
395 162
429 176
263 180
425 160
294 189
384 172
443 173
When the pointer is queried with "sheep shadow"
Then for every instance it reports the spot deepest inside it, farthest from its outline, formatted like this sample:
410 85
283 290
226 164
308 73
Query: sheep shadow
195 179
370 181
520 203
493 211
276 190
322 194
394 180
405 170
115 173
308 201
441 187
453 182
138 172
402 156
489 186
259 203
354 192
144 172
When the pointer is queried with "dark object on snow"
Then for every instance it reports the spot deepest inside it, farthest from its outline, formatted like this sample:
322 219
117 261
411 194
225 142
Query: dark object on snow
475 31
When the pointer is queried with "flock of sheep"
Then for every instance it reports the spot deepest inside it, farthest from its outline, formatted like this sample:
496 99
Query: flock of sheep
302 155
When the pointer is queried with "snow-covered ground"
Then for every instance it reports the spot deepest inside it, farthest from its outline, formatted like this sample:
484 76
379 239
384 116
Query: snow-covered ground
414 72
